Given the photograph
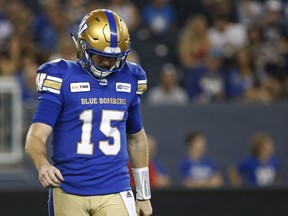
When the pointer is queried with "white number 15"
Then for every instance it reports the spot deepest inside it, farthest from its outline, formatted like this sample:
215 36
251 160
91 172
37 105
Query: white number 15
86 147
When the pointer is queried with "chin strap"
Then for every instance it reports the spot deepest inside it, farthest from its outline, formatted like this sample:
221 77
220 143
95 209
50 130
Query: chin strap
79 51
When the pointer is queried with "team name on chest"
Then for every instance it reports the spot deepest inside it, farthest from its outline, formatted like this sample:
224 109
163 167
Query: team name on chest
86 101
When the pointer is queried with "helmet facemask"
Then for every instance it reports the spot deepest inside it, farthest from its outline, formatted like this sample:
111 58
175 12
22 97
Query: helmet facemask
97 70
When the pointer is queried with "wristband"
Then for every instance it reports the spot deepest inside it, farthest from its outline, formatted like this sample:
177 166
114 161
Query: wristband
142 182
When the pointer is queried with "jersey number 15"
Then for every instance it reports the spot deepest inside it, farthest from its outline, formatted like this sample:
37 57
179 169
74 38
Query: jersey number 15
86 147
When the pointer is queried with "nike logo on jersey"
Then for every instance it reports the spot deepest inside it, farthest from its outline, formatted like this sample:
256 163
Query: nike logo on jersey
123 87
80 87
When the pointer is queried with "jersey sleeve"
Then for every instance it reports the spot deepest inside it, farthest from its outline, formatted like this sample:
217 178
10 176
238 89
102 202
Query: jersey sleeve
49 83
139 76
134 122
49 80
47 112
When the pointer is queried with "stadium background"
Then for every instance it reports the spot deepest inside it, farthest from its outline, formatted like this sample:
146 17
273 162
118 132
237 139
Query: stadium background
228 124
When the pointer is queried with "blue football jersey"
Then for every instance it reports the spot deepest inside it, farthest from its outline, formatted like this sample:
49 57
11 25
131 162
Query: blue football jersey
89 133
202 169
256 173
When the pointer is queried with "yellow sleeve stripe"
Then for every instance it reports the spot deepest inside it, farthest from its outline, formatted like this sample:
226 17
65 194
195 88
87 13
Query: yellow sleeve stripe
141 88
52 84
54 79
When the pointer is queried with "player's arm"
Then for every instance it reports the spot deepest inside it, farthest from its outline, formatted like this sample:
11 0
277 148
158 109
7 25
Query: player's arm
138 149
138 152
234 177
35 147
48 82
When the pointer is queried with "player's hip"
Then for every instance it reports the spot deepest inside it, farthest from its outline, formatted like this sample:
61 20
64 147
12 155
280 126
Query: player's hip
62 203
91 186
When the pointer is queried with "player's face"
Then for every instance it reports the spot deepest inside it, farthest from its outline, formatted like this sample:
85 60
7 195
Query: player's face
103 62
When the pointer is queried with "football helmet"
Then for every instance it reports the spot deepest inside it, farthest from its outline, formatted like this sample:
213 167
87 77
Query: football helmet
103 33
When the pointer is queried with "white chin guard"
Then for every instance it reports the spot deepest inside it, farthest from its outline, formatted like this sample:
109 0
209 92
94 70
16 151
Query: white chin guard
98 73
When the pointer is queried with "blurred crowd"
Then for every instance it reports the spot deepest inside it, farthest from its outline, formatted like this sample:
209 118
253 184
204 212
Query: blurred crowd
193 51
260 168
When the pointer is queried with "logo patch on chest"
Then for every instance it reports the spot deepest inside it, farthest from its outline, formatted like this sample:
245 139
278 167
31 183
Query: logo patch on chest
80 87
123 87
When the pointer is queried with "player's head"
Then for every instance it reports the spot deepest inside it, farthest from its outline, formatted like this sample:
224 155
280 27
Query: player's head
103 42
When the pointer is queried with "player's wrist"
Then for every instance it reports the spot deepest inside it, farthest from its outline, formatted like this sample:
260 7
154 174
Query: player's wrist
142 200
142 182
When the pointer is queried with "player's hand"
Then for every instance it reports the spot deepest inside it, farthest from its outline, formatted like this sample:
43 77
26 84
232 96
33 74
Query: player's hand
143 207
50 176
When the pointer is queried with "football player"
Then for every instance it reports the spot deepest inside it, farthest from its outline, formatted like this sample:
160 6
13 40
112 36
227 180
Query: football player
89 105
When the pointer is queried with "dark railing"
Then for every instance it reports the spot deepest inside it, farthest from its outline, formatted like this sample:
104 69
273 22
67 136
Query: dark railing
174 202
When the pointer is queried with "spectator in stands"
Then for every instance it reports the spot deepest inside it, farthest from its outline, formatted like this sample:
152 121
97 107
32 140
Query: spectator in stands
19 41
159 16
273 26
226 35
197 170
6 26
168 92
20 16
205 82
65 49
48 27
128 11
74 11
261 168
241 81
10 56
27 76
160 177
213 9
249 11
158 174
275 34
261 54
255 45
193 42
